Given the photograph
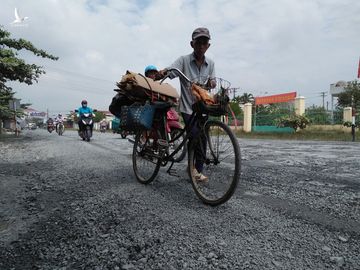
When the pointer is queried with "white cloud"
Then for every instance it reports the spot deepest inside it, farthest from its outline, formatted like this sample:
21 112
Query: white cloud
258 45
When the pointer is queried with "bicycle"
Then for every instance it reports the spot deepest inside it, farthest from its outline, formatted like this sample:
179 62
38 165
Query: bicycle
219 152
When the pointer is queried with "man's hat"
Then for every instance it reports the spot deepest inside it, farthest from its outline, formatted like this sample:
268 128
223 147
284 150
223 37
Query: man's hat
200 32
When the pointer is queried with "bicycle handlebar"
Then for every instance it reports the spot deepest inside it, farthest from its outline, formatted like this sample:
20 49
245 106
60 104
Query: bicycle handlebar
176 72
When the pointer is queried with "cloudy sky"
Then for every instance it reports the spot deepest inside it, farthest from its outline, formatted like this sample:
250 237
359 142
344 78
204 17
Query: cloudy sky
260 46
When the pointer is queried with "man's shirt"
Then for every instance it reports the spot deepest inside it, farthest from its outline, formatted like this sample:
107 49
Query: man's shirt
187 65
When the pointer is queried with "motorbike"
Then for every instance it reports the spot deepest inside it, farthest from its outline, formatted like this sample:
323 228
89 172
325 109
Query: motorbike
102 129
50 127
60 128
85 131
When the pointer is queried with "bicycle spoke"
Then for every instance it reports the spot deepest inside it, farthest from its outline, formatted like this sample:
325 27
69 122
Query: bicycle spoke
221 164
146 163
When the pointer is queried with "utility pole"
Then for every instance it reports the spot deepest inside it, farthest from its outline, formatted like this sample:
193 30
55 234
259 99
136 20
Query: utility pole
323 94
234 91
353 118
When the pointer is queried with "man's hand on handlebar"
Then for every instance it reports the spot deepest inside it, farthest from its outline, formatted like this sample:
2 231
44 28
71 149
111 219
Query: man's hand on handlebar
211 83
162 73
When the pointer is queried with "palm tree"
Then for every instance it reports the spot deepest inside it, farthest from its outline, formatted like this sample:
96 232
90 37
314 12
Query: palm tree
246 98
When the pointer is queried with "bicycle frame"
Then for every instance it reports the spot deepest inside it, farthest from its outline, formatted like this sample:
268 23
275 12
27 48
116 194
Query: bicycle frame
214 155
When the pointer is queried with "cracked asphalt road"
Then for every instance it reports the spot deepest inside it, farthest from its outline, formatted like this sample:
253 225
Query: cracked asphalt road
69 204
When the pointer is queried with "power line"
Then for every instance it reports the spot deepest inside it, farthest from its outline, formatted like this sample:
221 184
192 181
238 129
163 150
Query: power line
78 74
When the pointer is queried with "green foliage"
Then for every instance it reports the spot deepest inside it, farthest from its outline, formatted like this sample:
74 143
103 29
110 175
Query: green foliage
13 68
5 97
293 121
349 124
318 115
351 96
244 98
236 109
99 116
266 115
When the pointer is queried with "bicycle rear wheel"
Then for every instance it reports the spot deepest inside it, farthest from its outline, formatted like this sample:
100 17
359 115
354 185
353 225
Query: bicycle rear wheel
146 163
221 163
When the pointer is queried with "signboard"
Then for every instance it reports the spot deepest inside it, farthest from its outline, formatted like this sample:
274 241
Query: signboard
286 97
37 114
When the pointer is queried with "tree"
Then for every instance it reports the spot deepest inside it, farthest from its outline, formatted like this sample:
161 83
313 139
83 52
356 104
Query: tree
318 115
13 68
293 121
99 116
351 96
246 98
235 108
238 112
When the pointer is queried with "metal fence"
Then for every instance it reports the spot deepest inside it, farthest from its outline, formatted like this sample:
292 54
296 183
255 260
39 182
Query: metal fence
267 123
325 118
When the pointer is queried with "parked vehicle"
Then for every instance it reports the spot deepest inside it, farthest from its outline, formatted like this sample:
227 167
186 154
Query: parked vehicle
32 126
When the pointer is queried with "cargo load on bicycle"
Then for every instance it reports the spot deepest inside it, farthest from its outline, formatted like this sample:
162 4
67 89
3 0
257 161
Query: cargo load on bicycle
134 93
215 105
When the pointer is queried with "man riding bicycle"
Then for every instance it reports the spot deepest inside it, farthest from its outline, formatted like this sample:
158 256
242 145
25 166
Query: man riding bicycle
195 65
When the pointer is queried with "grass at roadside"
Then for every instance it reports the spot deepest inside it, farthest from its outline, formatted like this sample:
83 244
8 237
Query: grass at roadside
314 134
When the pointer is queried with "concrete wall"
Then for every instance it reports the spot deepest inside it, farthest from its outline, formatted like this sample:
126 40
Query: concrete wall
300 105
247 117
347 114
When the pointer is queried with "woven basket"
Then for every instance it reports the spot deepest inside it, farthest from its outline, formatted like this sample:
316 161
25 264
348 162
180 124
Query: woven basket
137 117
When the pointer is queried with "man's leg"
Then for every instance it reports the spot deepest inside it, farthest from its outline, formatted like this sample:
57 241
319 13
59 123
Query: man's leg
200 150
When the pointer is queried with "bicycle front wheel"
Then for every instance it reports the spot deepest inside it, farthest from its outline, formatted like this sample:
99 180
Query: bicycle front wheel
146 162
215 163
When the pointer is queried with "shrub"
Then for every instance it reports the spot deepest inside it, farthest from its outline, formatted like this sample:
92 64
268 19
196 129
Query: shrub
349 124
293 121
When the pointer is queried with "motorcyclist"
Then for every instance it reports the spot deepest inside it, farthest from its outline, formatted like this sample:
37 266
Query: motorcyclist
103 125
58 119
50 124
82 110
50 121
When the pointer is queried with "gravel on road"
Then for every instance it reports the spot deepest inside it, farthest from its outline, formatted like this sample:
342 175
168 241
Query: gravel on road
69 204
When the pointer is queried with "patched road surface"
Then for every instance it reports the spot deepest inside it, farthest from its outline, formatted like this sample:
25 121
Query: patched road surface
69 204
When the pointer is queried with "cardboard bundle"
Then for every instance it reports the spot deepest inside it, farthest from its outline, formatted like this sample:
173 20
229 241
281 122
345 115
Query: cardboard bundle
141 88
